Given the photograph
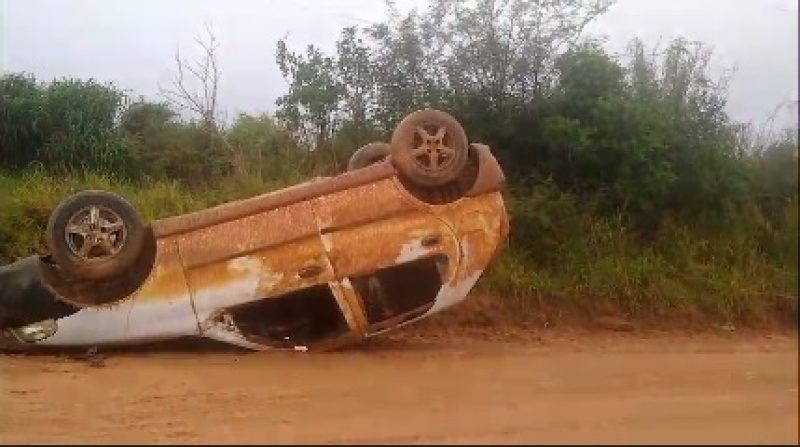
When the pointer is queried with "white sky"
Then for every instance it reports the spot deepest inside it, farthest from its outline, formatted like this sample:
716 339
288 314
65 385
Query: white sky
132 43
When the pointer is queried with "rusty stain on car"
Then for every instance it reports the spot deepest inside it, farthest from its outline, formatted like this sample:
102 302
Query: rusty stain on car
167 279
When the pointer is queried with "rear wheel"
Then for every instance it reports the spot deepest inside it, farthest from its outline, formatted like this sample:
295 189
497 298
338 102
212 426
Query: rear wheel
429 148
367 155
94 235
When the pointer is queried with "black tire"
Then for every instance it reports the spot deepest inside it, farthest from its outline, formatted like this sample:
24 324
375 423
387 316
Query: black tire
113 245
429 147
367 155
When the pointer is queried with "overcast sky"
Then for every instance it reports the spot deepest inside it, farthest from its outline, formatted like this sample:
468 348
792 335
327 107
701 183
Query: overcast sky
132 43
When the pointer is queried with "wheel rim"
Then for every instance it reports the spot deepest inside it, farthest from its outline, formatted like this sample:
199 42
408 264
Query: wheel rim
433 151
95 233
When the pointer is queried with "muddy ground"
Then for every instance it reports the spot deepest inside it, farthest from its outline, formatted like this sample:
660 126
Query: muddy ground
545 387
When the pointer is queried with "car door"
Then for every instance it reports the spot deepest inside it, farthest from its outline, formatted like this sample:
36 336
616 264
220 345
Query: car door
254 257
389 252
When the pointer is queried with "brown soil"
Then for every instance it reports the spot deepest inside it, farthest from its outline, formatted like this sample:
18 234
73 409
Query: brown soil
546 387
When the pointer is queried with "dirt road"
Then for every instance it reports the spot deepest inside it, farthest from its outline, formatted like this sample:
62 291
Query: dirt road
549 389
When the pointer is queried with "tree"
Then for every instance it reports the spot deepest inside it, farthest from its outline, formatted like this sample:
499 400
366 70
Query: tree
66 124
409 72
357 76
651 137
195 88
206 73
309 108
501 49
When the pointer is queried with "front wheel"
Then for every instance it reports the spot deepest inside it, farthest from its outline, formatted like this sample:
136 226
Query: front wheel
430 148
94 235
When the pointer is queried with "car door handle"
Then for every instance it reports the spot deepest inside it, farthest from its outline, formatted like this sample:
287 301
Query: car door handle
431 240
309 271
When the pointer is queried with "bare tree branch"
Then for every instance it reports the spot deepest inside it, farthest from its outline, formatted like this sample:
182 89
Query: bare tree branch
203 71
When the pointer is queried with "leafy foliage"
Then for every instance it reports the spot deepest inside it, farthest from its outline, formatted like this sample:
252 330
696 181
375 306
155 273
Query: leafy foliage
68 124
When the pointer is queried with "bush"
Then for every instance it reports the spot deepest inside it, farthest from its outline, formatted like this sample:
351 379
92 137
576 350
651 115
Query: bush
67 124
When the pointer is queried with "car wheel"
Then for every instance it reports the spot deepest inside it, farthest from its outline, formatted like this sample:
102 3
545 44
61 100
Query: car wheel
94 235
429 147
368 154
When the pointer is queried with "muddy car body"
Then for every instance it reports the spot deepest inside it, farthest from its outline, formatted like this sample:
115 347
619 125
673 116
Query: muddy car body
316 265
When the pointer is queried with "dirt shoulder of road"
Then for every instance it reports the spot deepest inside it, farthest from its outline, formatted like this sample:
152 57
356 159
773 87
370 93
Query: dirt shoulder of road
417 385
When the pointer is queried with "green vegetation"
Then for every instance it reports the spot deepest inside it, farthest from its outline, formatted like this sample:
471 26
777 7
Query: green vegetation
630 189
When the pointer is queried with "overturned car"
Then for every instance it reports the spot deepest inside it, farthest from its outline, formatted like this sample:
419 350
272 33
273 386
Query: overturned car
405 233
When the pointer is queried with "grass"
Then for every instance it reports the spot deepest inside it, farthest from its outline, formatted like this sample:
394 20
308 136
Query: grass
561 261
